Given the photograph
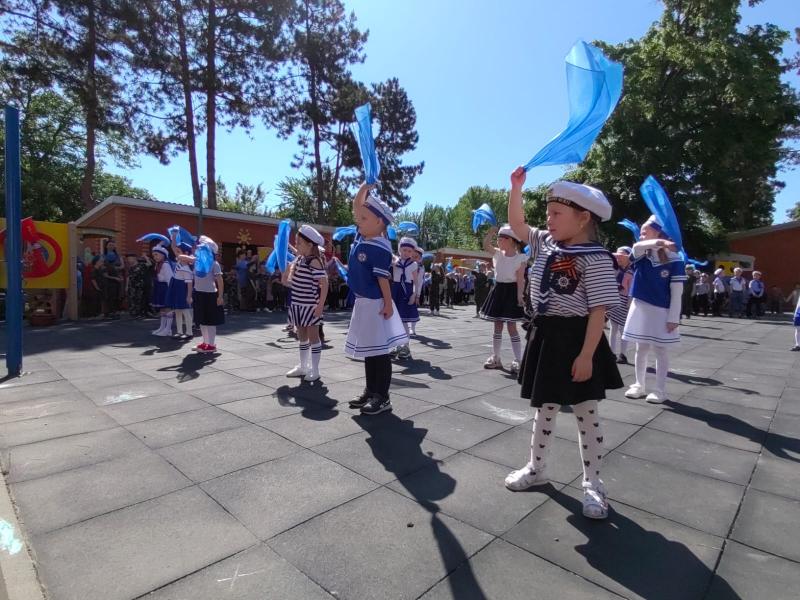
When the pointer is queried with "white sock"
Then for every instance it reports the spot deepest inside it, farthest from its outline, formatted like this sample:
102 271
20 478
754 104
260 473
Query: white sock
212 334
407 327
162 325
544 430
305 350
204 332
662 368
797 336
178 321
623 345
316 354
168 322
188 318
516 346
414 328
591 439
497 344
640 363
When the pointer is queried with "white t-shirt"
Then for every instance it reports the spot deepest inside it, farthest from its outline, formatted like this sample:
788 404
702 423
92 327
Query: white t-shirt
505 267
207 283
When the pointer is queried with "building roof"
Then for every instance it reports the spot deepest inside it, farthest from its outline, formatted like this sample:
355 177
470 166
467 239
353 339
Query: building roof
187 209
465 253
763 230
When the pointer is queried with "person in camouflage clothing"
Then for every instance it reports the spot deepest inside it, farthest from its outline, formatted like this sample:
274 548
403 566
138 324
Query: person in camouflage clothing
135 287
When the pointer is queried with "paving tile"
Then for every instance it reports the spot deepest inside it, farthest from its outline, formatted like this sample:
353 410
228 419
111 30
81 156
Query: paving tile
747 573
395 449
711 410
174 429
627 412
268 509
314 426
62 454
69 497
777 475
502 570
229 393
631 480
54 426
183 532
471 490
98 382
770 523
689 454
255 573
35 391
437 393
27 379
115 394
612 553
457 429
43 407
737 397
260 371
402 538
735 434
210 379
145 409
227 451
614 432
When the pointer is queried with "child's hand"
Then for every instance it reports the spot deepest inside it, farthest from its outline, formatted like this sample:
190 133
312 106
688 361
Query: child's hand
582 368
518 178
318 311
672 327
220 301
189 300
412 301
387 310
520 301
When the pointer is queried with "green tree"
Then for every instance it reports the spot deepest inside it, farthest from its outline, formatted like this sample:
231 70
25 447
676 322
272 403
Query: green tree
706 112
794 212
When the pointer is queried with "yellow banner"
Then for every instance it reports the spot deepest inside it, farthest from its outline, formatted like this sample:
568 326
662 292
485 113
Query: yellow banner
45 255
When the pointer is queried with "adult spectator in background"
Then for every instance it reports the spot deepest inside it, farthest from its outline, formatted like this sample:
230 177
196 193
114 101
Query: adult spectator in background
688 292
719 291
92 296
756 297
737 286
702 292
481 287
110 257
111 290
775 300
793 297
134 285
246 295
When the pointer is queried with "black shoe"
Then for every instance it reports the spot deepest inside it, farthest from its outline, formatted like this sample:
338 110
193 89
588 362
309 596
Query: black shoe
376 405
361 400
622 360
795 349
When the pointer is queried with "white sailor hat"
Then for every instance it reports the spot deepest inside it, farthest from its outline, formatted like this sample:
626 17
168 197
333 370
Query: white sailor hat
312 235
212 245
580 196
379 207
654 222
625 250
506 231
719 271
161 250
408 243
418 249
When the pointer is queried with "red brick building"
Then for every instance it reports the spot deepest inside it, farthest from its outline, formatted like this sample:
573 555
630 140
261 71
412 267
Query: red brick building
130 218
775 249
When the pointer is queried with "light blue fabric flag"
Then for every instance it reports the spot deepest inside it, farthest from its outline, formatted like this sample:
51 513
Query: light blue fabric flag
341 233
203 260
342 271
182 236
391 232
428 256
408 227
362 130
633 227
594 86
449 266
483 215
149 237
282 244
697 263
658 202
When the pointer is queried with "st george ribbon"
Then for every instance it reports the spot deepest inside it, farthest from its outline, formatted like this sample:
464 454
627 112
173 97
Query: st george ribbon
594 86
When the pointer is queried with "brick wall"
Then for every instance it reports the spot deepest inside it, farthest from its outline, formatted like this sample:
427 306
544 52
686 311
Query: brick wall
776 253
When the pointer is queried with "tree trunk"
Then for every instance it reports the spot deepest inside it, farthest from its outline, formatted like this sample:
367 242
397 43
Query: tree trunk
211 103
188 109
315 112
91 109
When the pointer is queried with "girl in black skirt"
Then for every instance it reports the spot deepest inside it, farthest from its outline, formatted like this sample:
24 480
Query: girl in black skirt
505 303
567 361
209 294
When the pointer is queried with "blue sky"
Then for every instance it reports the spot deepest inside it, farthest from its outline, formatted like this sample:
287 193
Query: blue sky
487 82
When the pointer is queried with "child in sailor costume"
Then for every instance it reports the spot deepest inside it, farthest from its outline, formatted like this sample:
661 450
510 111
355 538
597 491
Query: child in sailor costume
179 296
164 272
567 360
309 283
375 326
208 293
419 284
406 288
655 313
619 314
505 302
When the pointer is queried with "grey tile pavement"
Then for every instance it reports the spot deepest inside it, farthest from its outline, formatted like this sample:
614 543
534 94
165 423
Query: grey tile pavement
142 470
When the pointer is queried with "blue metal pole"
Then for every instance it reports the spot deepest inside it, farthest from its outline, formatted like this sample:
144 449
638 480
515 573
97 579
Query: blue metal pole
14 302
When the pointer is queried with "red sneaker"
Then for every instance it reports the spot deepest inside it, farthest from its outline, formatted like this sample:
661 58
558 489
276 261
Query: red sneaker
209 349
200 347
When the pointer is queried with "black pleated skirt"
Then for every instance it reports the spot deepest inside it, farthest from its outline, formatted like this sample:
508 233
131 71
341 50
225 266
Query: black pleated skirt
501 304
546 371
206 310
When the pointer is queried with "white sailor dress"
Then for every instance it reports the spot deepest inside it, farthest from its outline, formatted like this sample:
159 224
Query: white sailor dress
369 333
179 287
650 299
404 282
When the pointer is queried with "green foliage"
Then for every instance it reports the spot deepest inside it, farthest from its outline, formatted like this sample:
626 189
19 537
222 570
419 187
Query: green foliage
246 199
298 202
794 212
706 112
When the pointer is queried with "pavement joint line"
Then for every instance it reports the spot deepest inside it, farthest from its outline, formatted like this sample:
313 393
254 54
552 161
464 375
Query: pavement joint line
20 580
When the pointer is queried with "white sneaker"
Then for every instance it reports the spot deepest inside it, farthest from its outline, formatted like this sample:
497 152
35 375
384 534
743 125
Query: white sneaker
298 371
595 504
493 362
312 375
656 397
635 391
514 368
525 478
164 333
